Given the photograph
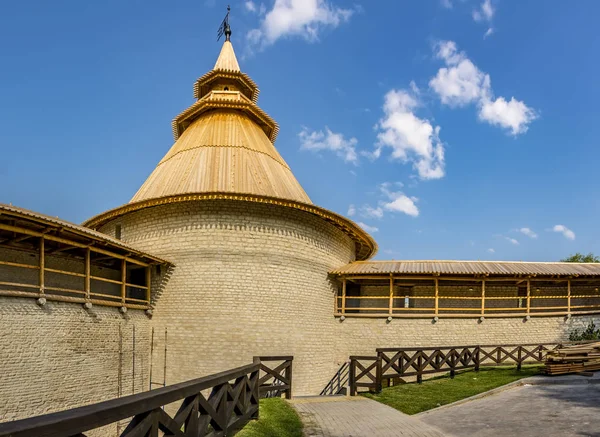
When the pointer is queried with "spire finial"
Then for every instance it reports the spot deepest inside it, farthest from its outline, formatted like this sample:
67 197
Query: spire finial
224 27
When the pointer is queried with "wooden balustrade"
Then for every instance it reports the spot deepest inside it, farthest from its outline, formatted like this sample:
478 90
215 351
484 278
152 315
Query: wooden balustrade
403 296
394 364
215 405
275 380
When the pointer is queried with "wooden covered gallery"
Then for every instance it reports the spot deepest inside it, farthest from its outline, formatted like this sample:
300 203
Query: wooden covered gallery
466 289
49 259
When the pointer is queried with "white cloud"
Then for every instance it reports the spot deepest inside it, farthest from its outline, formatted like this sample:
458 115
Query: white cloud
369 211
461 83
303 18
399 202
412 139
485 12
367 227
351 210
567 233
318 140
528 232
250 6
513 115
447 4
512 241
491 250
488 32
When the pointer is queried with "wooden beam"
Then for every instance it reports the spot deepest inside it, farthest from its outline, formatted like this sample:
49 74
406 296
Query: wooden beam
88 273
42 257
437 296
123 280
344 295
391 294
528 295
569 296
482 298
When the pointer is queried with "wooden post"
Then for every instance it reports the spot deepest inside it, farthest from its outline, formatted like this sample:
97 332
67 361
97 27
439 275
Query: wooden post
352 376
477 357
344 295
568 296
148 281
379 373
437 295
420 368
87 273
483 297
42 264
519 357
123 280
288 376
391 294
528 294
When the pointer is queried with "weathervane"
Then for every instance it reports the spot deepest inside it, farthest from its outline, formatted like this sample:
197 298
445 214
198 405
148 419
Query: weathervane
224 27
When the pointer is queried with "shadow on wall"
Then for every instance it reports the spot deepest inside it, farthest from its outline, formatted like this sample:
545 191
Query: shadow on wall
160 279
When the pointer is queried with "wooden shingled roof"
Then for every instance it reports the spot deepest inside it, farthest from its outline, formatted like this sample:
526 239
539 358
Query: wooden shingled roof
479 268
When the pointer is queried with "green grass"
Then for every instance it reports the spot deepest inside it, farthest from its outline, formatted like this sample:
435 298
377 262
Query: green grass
414 398
277 418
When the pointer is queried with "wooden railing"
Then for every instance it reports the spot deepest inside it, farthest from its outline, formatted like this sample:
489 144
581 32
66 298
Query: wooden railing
275 380
232 402
422 296
83 279
391 365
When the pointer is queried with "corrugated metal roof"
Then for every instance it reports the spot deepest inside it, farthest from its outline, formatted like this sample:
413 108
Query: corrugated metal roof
81 230
500 268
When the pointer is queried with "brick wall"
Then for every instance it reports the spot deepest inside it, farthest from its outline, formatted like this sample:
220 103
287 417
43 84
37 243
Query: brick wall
61 356
250 279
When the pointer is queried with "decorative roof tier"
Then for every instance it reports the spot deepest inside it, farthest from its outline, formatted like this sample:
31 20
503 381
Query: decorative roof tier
224 149
224 143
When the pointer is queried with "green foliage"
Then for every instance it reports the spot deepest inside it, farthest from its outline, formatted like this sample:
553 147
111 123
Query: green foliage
581 258
414 398
277 418
589 333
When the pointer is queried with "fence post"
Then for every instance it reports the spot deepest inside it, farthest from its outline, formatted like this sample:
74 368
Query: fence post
255 376
352 377
519 357
379 373
420 368
452 363
477 357
288 376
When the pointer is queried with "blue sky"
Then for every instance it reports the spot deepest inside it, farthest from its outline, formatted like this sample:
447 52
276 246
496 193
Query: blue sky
458 129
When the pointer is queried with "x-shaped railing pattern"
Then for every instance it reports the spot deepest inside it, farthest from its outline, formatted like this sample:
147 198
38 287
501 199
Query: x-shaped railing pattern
213 406
397 363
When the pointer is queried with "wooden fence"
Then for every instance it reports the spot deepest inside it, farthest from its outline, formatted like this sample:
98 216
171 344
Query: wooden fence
232 402
390 365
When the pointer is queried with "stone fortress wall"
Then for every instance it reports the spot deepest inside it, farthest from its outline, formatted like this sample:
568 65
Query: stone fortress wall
249 279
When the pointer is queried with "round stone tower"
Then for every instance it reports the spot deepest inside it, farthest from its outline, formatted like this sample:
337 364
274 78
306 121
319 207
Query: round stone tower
251 252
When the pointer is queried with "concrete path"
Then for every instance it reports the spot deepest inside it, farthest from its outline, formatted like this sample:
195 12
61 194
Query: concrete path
545 407
339 416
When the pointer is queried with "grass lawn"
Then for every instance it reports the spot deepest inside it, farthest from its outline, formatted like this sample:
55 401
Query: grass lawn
277 418
414 398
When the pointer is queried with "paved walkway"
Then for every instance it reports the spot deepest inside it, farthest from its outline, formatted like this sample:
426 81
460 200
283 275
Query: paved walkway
559 406
339 416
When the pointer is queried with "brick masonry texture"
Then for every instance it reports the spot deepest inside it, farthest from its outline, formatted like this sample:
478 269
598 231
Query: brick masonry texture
249 279
61 356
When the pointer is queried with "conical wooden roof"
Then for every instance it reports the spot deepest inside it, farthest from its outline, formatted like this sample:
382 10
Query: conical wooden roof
224 144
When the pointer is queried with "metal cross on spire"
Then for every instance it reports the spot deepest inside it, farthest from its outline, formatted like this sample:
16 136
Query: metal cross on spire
224 27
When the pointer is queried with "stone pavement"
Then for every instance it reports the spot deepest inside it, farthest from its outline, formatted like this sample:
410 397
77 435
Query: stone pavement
558 406
340 416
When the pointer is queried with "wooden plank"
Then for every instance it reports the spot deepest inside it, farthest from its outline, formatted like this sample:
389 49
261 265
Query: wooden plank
123 280
528 295
482 298
64 272
13 264
391 304
88 273
42 257
344 295
437 296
